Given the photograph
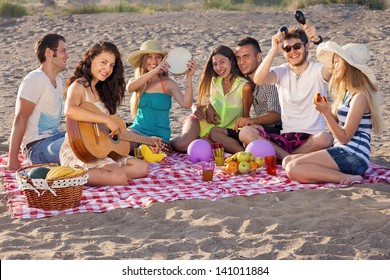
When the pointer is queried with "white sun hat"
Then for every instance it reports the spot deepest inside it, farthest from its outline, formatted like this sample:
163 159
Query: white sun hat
357 55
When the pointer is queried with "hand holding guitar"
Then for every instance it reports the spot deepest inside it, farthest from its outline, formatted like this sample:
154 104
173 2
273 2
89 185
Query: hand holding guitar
90 141
113 126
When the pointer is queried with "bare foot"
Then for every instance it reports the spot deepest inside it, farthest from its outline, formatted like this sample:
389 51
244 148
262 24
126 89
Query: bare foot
351 179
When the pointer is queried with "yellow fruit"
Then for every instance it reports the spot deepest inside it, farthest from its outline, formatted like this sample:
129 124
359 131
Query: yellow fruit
58 172
234 157
228 159
149 155
75 173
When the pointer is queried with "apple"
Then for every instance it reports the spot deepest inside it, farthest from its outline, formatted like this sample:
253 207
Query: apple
242 156
251 156
244 167
259 161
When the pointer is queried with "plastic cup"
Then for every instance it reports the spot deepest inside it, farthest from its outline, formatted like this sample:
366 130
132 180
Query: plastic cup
208 171
137 153
219 161
270 164
219 156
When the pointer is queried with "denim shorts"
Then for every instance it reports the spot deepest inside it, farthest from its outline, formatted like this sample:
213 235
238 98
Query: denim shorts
46 150
347 163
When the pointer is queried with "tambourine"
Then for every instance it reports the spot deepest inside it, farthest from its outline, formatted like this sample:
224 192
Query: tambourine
178 59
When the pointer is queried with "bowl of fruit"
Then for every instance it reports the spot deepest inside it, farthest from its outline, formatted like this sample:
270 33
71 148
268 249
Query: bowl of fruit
242 163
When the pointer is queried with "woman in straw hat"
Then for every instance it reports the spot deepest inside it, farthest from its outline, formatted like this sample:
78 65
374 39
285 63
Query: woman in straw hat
99 79
153 90
352 116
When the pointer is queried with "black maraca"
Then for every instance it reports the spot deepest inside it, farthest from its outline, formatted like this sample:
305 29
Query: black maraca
283 29
300 17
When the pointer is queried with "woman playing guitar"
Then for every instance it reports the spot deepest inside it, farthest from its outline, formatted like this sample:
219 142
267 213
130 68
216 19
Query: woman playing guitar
99 79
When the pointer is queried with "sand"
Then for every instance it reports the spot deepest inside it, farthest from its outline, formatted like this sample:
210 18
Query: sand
348 223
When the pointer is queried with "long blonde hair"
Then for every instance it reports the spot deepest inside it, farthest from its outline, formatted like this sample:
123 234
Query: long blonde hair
136 96
355 81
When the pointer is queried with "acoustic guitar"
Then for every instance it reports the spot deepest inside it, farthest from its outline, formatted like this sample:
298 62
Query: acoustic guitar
90 141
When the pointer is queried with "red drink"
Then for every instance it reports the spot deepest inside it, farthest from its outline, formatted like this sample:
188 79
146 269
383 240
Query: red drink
270 164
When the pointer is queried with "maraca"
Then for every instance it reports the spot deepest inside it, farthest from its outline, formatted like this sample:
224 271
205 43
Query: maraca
283 29
300 17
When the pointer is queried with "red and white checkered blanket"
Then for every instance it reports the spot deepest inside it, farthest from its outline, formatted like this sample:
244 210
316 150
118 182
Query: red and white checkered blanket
173 179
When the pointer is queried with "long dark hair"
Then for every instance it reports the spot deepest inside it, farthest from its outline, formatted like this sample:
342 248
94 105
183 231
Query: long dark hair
208 71
112 90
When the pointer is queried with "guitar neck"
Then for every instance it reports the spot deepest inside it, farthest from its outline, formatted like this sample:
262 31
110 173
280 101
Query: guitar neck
133 137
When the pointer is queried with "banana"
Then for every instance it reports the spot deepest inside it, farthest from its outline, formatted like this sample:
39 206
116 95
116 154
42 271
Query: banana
75 173
59 171
231 158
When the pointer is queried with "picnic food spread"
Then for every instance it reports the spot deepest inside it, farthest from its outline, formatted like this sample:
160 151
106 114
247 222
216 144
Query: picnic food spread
242 163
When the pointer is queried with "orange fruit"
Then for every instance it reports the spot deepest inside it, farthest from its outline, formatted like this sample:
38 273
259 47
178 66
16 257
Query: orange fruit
231 167
253 165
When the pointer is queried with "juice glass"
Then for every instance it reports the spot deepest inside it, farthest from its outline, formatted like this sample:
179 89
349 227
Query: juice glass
208 171
270 164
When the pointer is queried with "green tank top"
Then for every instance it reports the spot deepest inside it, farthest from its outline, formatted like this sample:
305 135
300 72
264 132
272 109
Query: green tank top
152 117
229 107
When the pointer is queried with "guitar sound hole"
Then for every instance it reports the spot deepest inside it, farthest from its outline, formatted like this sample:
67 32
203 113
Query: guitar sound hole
115 137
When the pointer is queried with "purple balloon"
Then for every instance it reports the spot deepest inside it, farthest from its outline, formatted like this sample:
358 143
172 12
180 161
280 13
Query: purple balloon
260 148
199 150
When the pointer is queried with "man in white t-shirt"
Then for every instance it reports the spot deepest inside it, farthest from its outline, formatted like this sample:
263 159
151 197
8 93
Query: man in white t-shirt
38 109
298 81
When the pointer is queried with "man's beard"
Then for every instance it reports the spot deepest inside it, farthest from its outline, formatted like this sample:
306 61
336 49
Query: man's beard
302 61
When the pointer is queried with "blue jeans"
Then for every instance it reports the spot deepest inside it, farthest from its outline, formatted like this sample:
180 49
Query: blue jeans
46 150
347 163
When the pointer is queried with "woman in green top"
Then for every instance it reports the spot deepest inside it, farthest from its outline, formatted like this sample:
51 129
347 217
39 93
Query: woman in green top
223 90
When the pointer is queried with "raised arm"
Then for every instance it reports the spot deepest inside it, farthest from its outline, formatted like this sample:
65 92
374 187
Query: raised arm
311 32
264 75
185 100
136 83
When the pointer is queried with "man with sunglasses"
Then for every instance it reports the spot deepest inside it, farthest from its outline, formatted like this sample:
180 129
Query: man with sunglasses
38 109
265 100
298 81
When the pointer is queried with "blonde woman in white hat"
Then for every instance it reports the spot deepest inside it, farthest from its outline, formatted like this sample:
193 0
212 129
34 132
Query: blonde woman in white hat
153 90
351 117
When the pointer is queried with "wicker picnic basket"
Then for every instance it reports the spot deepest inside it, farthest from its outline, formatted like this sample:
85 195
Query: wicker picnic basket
60 194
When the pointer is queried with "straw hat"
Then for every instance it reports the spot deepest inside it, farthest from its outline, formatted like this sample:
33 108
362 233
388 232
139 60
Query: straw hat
150 46
357 55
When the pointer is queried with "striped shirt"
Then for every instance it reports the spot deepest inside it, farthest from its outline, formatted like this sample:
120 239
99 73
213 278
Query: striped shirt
360 142
265 99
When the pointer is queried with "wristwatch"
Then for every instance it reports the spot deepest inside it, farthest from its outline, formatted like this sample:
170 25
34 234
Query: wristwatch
319 41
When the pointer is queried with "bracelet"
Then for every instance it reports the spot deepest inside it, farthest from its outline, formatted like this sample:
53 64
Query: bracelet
319 41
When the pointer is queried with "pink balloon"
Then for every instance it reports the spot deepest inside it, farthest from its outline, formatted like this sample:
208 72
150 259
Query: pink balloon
260 148
199 150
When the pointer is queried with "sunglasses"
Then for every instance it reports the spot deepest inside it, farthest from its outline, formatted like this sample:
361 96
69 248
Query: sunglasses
296 46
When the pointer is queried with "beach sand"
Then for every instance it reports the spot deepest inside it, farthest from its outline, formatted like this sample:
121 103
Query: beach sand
348 223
